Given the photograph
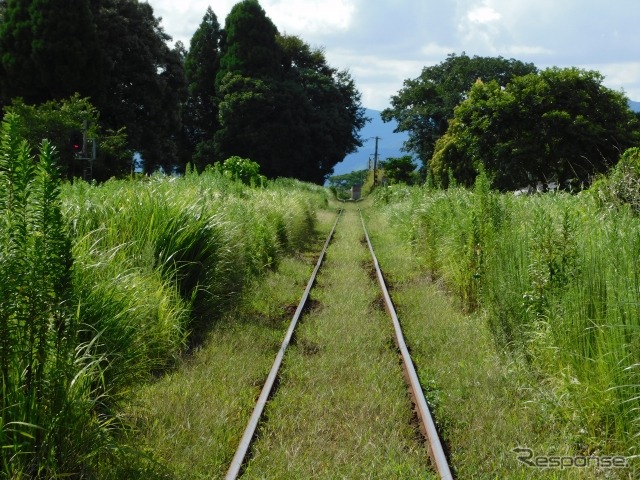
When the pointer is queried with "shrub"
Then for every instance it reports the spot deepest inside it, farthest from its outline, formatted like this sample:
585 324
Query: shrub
622 186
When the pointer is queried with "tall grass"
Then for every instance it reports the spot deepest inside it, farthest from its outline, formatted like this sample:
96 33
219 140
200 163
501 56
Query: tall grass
559 276
105 285
48 424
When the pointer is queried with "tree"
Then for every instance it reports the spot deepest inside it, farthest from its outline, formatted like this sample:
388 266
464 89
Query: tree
200 116
56 120
249 47
560 124
324 109
348 180
145 85
425 104
113 51
249 66
49 50
399 169
281 105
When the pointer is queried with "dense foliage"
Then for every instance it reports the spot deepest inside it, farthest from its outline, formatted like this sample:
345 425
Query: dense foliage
49 50
399 170
113 52
621 187
558 125
200 116
144 83
556 276
425 104
106 284
54 120
41 360
244 90
348 180
281 104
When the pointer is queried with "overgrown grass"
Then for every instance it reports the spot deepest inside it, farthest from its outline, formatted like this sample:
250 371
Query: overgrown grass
106 285
342 408
49 378
558 277
483 402
193 418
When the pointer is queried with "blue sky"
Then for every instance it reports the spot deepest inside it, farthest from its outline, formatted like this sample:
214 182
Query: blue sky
383 42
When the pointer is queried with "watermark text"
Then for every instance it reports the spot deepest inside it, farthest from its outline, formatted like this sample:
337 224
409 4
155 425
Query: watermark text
527 456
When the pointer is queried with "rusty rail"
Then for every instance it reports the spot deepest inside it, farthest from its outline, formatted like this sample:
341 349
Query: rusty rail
250 430
436 451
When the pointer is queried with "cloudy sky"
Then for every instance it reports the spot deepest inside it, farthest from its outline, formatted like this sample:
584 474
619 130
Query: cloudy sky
383 42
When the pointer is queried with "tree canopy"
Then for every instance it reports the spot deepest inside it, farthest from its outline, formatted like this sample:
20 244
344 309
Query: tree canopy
144 80
559 124
425 104
200 115
281 104
55 119
111 51
244 90
399 170
49 50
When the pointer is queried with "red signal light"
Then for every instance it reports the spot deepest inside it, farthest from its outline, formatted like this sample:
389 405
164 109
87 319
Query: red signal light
77 141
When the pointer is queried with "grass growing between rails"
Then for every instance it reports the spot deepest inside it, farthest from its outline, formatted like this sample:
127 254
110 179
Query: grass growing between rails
342 408
557 278
350 415
106 285
193 418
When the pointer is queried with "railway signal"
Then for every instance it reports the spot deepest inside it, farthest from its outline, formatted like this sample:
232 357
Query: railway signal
76 140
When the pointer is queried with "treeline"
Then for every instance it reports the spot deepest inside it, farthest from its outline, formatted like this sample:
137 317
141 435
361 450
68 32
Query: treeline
243 90
519 125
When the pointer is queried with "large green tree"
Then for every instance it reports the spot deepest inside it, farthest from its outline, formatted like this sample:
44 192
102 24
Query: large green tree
145 85
113 51
49 50
250 48
425 104
560 124
399 170
200 115
280 103
249 67
322 109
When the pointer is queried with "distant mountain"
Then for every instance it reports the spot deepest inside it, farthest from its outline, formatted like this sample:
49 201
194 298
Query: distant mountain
389 144
635 106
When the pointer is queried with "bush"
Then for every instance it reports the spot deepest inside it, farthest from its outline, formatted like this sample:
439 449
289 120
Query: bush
622 187
242 169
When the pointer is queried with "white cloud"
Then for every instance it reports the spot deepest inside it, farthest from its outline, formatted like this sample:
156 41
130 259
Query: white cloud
377 78
483 14
620 76
432 49
527 50
310 16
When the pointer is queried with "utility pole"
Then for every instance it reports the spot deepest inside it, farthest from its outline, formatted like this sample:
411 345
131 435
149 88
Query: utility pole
375 161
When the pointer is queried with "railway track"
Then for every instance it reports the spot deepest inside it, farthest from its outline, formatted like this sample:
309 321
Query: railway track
427 425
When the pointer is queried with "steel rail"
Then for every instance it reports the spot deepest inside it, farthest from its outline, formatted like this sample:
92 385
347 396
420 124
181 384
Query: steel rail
250 430
435 445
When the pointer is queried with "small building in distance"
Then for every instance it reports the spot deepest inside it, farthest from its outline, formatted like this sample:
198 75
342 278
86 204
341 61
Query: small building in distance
356 192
